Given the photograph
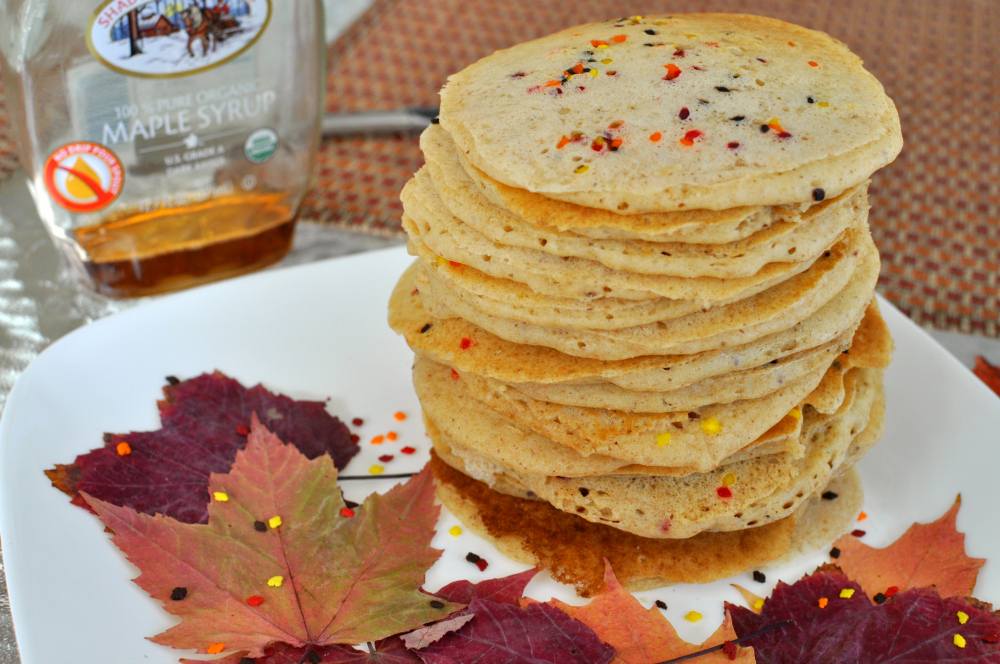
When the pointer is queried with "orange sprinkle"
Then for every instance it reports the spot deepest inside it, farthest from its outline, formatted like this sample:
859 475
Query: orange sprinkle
823 601
552 84
377 440
655 136
123 448
813 64
687 141
673 71
619 38
616 143
862 516
577 68
454 264
399 416
454 374
562 143
597 42
791 43
215 648
392 436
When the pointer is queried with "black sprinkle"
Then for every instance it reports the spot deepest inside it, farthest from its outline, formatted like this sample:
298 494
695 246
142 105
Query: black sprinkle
826 255
108 438
738 118
764 129
584 491
835 552
178 593
588 52
173 380
350 504
818 194
425 328
472 558
660 604
647 44
436 604
650 31
591 60
314 657
829 495
436 120
810 100
879 598
847 352
759 577
722 88
260 526
247 660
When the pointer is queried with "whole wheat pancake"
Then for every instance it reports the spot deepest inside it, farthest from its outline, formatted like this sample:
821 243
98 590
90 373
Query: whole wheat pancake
852 264
761 490
490 356
629 146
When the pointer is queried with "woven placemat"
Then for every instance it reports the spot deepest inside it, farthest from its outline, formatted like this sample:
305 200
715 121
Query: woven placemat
935 211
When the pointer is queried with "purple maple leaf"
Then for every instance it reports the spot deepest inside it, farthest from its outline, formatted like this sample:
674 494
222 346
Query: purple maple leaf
505 590
204 422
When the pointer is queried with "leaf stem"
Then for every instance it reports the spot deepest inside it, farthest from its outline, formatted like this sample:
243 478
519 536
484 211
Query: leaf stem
777 625
375 477
371 647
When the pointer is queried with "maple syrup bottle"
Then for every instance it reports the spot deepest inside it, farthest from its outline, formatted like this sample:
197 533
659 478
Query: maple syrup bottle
168 142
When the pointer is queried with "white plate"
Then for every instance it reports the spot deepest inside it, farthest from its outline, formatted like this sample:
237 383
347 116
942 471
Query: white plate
319 331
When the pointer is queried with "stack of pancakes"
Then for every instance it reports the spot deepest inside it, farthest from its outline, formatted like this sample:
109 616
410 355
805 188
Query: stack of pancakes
642 306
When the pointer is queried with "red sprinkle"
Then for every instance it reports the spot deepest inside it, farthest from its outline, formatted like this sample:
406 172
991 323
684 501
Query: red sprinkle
454 264
699 68
733 145
454 374
347 511
813 64
991 638
482 565
784 134
730 649
357 421
685 113
255 600
715 44
386 458
891 590
724 492
466 342
858 533
407 450
679 53
665 526
673 71
693 134
242 430
355 437
762 60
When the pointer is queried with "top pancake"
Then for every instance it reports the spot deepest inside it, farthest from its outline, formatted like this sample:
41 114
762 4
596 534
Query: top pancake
509 112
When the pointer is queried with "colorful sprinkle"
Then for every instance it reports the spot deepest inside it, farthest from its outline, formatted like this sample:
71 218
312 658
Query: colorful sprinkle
661 605
441 261
673 71
732 145
655 136
606 61
454 264
123 449
255 600
597 42
728 480
552 84
602 46
347 511
357 421
829 495
847 593
581 169
594 73
215 648
796 413
386 458
679 53
178 593
862 516
399 416
455 531
835 553
220 496
378 440
991 638
813 64
663 439
275 581
685 113
858 533
619 38
711 426
891 590
693 616
482 565
465 343
471 557
963 617
724 492
242 430
959 640
355 438
274 521
260 526
823 104
879 598
758 604
562 142
407 450
823 601
392 436
454 374
818 194
376 470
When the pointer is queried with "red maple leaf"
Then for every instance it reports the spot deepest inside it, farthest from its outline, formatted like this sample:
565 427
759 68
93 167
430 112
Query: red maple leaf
385 651
204 423
916 626
987 373
275 531
505 590
931 554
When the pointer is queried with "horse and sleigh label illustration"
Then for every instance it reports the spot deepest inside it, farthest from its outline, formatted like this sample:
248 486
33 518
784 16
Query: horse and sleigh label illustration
165 38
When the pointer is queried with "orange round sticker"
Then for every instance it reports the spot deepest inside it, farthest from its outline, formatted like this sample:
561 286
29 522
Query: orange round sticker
83 176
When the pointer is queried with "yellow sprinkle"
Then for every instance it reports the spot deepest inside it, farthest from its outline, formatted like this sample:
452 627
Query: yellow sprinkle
691 36
711 426
221 496
274 521
959 640
758 604
663 439
455 531
692 616
847 593
602 46
376 470
594 73
440 261
963 617
569 77
823 104
773 121
636 18
215 648
581 169
606 61
796 413
850 107
275 581
729 479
